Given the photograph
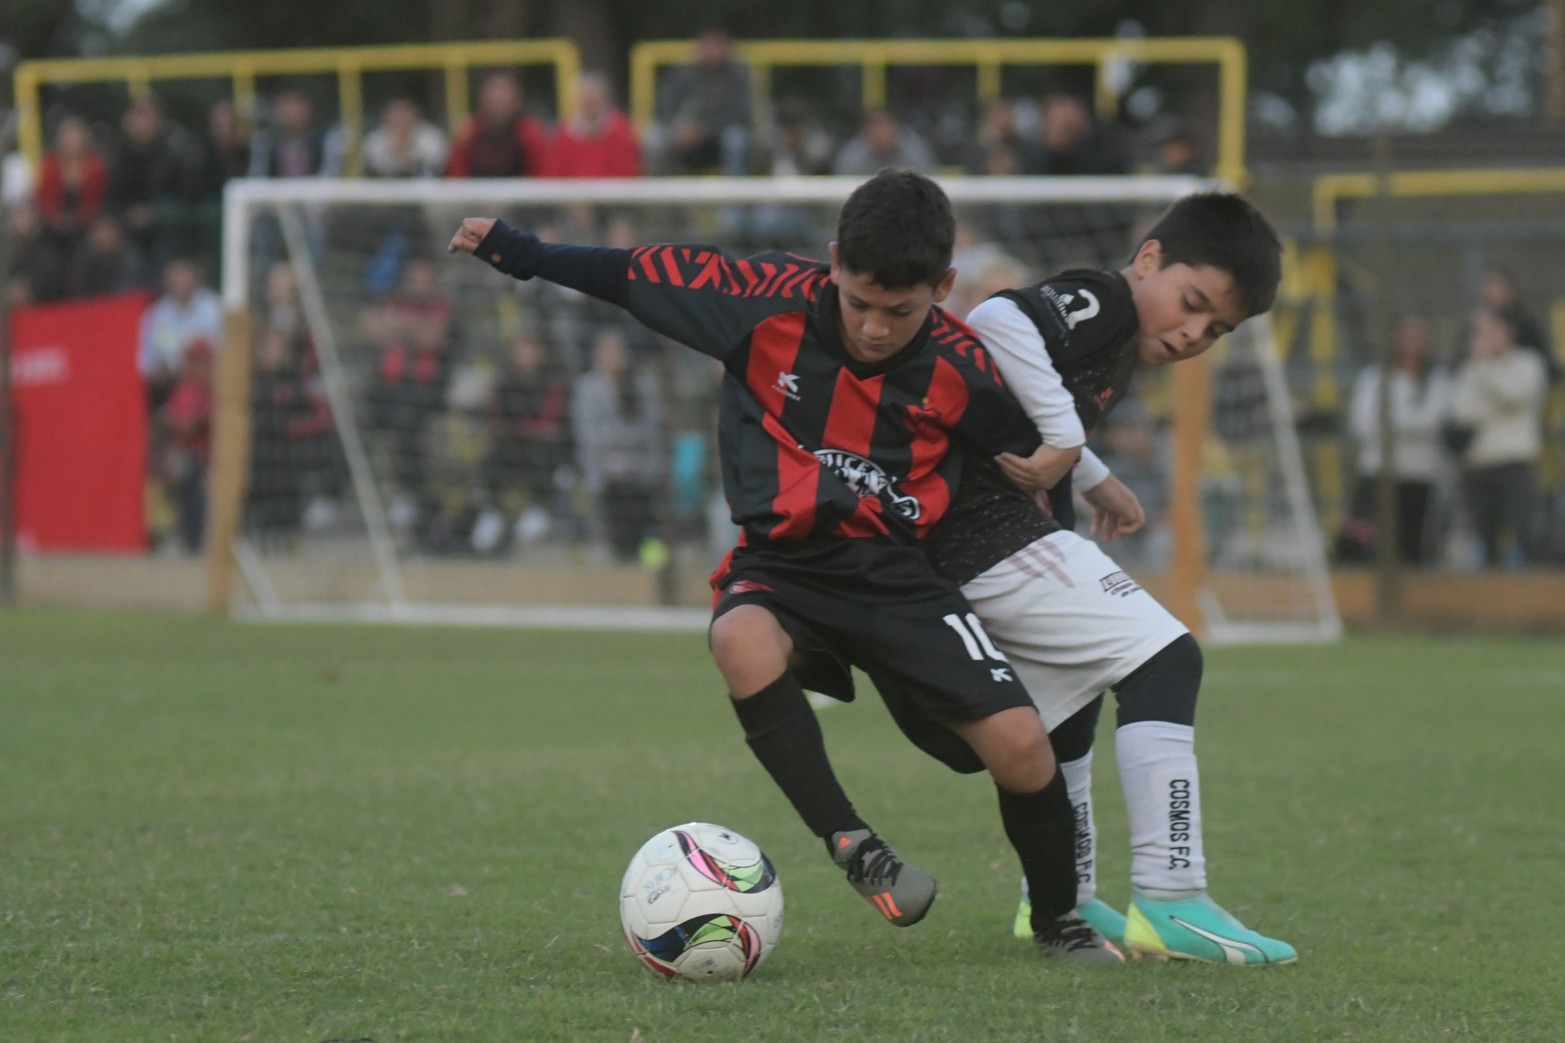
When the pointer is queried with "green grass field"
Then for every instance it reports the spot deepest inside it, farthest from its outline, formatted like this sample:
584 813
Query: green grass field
223 832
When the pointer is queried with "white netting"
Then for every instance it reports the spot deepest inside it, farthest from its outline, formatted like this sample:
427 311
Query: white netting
434 440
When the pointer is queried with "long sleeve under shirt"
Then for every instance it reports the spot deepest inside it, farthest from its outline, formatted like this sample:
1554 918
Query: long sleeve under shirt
813 443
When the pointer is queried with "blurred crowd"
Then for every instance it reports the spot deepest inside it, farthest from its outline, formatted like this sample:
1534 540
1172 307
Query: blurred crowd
579 429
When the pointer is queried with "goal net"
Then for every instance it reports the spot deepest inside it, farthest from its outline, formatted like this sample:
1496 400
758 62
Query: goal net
429 440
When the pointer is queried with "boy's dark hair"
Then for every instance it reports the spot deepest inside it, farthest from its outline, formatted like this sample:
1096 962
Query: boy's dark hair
1225 231
897 228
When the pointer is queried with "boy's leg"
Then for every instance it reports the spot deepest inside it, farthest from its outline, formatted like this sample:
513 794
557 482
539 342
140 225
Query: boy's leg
1040 824
1171 916
754 653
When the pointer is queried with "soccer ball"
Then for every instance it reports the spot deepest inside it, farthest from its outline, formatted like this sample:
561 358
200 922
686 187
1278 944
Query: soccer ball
701 902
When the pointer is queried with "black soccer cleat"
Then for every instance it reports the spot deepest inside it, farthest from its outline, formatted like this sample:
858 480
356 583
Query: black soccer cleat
1072 938
900 892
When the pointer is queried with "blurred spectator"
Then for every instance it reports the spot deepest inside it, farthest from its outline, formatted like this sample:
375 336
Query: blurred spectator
412 329
999 148
220 156
405 144
499 140
289 419
107 263
1073 143
1137 453
187 312
1420 399
1177 154
596 142
883 142
147 177
25 229
617 419
528 445
800 145
704 113
72 182
1499 398
1500 295
187 419
291 145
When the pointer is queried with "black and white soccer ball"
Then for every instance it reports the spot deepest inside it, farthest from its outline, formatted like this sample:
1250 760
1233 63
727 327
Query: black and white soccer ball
701 902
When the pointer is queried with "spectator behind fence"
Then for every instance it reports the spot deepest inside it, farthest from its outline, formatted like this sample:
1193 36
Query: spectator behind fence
616 414
25 229
405 144
289 420
1501 295
499 140
704 113
147 178
1420 400
883 142
107 263
800 145
72 182
528 445
998 149
598 141
187 420
1073 143
223 154
412 330
187 312
1498 405
1177 154
291 145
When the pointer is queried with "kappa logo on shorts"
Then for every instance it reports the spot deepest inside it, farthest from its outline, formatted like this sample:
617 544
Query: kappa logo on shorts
747 586
1119 585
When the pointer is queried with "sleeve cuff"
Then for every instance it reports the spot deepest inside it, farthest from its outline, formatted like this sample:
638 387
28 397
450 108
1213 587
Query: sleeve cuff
1090 471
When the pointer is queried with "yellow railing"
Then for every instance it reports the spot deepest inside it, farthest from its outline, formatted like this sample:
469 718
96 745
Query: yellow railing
987 56
349 64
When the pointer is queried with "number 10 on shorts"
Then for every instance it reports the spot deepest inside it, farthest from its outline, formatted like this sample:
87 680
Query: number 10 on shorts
977 643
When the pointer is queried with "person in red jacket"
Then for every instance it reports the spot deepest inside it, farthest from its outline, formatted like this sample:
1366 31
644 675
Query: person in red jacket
499 140
598 141
71 182
188 417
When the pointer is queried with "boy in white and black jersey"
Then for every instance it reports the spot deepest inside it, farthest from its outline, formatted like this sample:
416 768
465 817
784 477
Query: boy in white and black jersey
1070 621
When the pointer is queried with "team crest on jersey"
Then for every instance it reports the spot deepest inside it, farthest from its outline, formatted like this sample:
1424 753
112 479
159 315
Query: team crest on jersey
866 478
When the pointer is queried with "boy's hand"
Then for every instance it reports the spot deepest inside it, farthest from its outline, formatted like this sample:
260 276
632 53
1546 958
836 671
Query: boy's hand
472 232
1046 466
1116 511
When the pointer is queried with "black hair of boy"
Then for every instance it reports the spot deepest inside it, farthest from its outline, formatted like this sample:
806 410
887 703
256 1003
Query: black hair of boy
1224 231
898 229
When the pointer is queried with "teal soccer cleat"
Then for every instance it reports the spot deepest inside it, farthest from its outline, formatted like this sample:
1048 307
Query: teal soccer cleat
1197 928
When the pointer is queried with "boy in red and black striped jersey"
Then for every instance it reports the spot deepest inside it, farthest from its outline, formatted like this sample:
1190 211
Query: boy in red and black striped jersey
845 390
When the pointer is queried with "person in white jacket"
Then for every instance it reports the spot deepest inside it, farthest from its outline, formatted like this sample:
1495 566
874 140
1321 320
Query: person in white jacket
1420 399
1500 395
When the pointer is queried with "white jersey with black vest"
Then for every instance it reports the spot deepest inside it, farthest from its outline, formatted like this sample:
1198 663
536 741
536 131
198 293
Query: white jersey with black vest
1066 349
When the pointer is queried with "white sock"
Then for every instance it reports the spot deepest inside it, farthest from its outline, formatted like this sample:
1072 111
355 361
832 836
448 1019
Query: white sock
1157 769
1078 790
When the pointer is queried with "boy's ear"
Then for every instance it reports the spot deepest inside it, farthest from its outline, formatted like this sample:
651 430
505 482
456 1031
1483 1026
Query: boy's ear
943 287
1149 258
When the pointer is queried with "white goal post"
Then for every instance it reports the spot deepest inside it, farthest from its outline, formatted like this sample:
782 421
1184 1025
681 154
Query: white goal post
402 436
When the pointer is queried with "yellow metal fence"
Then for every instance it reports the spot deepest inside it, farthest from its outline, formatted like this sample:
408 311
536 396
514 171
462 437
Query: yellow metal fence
348 64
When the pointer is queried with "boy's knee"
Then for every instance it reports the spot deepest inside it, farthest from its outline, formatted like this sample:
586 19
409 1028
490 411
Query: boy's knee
750 647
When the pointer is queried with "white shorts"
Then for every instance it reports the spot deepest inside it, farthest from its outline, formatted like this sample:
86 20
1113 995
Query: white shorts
1071 622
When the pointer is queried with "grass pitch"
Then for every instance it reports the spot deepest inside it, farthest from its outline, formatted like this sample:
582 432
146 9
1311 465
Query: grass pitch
218 832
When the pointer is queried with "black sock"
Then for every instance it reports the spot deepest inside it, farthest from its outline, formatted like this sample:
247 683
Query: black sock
1042 829
786 738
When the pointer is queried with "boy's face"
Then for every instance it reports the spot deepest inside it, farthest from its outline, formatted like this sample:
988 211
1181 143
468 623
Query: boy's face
878 322
1183 309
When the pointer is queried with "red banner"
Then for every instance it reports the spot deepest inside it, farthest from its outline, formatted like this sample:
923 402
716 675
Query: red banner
80 425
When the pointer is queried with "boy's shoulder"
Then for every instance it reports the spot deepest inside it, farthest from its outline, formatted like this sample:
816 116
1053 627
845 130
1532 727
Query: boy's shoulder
772 274
1088 309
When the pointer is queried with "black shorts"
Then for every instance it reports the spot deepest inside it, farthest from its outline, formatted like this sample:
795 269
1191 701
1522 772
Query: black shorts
878 606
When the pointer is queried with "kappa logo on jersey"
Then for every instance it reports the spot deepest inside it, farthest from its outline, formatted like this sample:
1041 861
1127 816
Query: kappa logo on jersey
787 385
1000 673
1118 584
866 478
1078 306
